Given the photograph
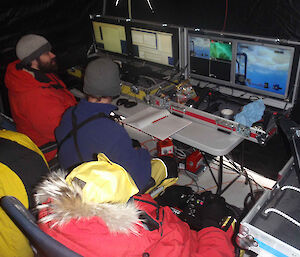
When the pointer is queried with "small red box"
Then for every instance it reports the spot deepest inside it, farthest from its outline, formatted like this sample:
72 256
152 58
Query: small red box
165 147
193 161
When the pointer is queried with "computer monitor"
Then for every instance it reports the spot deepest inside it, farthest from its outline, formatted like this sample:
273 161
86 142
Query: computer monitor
210 57
260 65
157 45
110 37
264 68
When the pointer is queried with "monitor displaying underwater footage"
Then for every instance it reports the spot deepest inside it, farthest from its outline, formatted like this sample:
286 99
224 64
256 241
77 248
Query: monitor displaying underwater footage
153 45
110 37
265 69
210 57
262 66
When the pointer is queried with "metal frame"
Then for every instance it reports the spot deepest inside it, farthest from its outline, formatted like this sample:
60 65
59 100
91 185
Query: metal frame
269 100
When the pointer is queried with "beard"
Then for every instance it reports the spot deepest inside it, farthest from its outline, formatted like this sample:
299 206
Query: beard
49 67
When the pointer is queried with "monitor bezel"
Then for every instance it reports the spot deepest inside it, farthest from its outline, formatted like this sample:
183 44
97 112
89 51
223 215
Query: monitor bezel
235 39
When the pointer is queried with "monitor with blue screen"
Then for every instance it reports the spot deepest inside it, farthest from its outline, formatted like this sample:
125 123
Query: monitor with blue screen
264 68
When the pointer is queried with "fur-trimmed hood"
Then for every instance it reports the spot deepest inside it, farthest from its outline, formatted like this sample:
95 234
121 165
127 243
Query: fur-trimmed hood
66 204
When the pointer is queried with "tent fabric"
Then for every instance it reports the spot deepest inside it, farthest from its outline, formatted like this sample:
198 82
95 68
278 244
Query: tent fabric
66 23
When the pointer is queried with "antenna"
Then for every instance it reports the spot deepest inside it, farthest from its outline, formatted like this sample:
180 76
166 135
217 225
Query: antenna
129 6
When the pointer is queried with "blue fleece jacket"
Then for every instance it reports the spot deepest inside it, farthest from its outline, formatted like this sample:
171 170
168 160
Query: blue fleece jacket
102 135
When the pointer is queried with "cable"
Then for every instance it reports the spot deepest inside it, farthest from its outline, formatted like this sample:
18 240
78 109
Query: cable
255 97
225 17
180 153
149 78
238 171
195 181
291 187
285 106
283 215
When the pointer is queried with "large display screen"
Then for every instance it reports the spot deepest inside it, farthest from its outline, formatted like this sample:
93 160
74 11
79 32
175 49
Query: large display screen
151 45
264 67
110 37
210 57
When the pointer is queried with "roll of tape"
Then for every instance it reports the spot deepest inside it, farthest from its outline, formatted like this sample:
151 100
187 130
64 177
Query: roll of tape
227 114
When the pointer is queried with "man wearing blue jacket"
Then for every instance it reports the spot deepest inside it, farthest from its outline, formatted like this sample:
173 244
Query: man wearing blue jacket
88 129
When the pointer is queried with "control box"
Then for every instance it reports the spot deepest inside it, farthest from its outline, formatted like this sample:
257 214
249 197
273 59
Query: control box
165 147
272 227
194 161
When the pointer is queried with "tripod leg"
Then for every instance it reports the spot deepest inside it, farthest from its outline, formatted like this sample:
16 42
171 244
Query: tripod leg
244 172
220 176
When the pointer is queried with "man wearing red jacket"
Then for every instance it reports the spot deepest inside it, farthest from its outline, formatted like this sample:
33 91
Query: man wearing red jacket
37 97
95 212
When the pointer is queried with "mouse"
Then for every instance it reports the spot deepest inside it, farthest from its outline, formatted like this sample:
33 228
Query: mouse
130 104
121 101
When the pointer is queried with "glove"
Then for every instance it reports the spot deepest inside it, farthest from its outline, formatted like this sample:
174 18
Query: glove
213 211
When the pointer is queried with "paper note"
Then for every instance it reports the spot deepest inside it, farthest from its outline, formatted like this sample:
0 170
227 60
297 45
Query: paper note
159 123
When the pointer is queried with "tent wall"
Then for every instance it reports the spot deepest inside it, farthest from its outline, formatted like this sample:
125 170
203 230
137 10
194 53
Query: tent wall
66 23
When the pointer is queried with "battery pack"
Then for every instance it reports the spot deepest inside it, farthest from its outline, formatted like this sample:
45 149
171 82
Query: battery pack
165 148
194 161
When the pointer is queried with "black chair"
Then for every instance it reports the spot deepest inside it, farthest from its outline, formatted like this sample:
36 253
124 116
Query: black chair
25 221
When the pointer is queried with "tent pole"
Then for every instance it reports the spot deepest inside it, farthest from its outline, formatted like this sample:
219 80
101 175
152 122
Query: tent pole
104 7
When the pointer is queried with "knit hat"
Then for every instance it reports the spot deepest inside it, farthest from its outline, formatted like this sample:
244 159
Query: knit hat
30 47
102 78
103 181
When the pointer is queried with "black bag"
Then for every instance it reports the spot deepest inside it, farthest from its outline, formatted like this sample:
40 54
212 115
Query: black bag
197 210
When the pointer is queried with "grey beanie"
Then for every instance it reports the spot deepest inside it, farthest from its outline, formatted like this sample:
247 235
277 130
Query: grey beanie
102 78
30 47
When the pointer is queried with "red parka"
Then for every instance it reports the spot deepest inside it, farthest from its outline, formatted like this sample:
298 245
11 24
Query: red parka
37 102
110 230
